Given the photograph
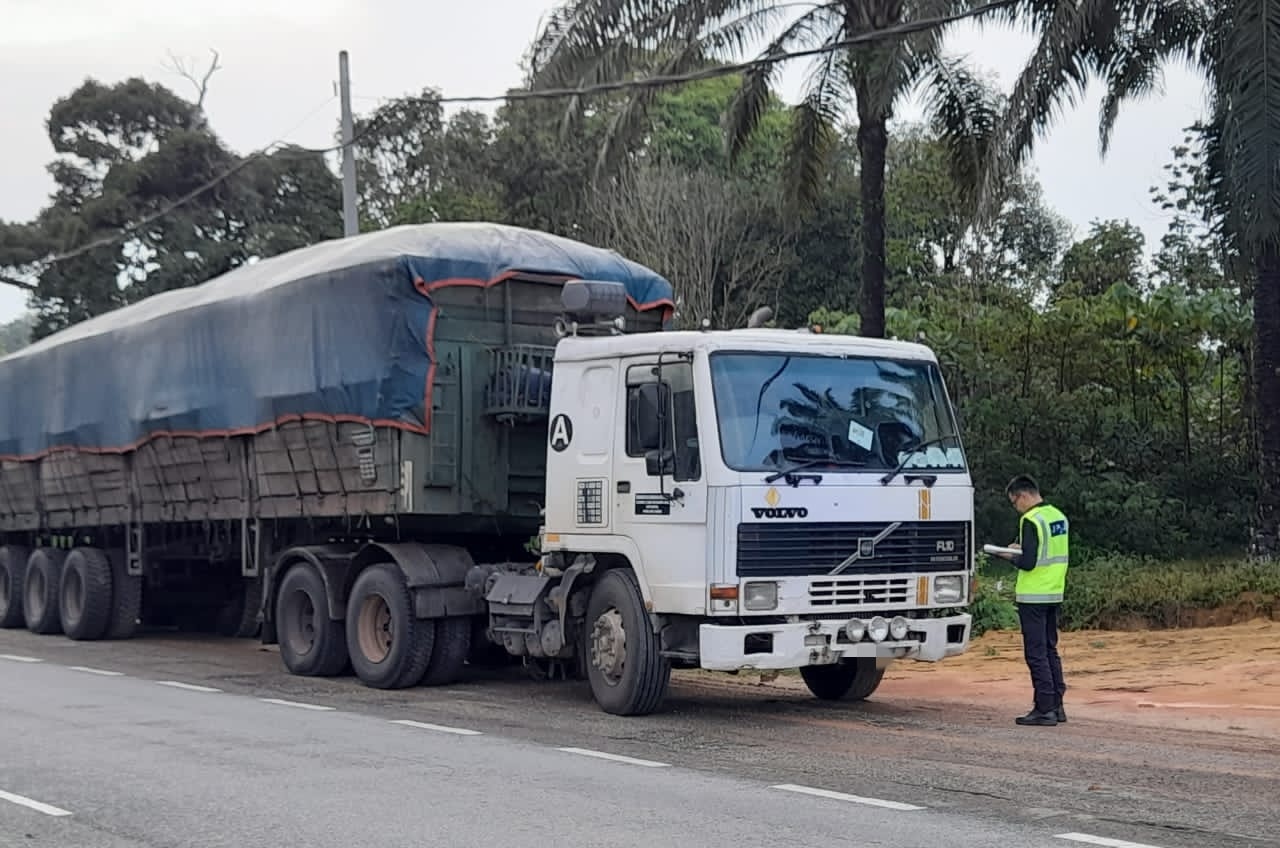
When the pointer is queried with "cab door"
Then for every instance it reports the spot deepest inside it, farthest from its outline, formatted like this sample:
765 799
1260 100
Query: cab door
660 486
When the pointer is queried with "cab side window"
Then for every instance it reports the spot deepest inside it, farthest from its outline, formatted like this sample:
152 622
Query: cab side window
662 423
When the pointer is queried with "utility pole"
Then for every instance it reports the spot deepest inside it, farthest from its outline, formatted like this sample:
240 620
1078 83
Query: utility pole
350 220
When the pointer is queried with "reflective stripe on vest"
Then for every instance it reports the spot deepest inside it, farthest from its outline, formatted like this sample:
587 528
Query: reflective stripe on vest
1047 582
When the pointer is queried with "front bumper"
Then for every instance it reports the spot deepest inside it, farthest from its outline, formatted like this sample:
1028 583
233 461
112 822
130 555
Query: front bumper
802 643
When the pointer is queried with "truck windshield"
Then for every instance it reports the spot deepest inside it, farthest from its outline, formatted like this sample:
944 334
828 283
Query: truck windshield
776 409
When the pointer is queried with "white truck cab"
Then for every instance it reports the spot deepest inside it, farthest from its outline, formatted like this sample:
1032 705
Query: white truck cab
785 499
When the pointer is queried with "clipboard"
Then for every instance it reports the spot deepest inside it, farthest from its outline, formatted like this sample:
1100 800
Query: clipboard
997 550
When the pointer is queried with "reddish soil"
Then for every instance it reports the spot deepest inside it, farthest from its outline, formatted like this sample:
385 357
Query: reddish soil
1224 679
1213 678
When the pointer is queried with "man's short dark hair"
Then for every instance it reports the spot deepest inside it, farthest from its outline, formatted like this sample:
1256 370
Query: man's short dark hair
1022 485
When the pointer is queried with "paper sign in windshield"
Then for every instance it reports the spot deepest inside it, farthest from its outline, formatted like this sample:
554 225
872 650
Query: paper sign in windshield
860 436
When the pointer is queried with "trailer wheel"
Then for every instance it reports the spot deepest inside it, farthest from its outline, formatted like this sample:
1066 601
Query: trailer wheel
389 647
40 591
84 594
450 651
13 568
238 618
126 598
311 643
625 667
845 681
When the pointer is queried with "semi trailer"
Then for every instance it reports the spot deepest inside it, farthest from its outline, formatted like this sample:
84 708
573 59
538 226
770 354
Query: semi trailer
402 452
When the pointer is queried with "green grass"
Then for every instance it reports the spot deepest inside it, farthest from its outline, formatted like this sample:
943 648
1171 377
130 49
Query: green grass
1104 591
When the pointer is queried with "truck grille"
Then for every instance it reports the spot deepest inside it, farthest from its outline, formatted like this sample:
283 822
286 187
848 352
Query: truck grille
795 549
864 591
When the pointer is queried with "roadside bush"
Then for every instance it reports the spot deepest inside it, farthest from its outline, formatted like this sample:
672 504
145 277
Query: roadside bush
1110 591
993 607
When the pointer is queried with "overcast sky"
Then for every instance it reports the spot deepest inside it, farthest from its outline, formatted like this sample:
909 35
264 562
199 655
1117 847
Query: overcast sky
280 63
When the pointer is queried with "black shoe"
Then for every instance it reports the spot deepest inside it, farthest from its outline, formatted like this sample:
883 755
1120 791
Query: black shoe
1061 714
1035 718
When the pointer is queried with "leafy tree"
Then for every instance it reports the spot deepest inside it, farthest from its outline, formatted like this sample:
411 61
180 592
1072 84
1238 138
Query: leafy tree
588 42
135 152
1111 254
15 335
1126 45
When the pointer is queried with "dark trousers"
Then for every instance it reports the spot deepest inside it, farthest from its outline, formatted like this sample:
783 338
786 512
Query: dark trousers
1040 647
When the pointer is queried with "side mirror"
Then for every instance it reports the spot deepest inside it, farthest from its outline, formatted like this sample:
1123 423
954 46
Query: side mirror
660 463
651 401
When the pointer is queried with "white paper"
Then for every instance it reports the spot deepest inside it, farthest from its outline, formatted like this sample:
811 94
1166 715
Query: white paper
996 550
860 436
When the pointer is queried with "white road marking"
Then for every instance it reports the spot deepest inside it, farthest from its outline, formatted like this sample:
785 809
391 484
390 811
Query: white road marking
101 671
841 796
461 731
297 704
16 658
47 809
1090 839
617 758
190 687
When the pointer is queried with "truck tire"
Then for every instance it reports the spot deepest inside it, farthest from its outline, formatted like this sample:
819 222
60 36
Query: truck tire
311 643
450 651
625 667
84 594
389 647
238 619
40 591
126 599
845 681
13 568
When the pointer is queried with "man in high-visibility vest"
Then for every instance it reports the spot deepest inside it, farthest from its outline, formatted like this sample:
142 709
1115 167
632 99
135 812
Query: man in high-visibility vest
1042 581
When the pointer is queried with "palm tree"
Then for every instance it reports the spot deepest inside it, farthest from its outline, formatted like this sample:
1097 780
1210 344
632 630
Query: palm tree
1236 45
588 42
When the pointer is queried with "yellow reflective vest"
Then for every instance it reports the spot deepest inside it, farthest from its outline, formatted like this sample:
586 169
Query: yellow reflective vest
1047 582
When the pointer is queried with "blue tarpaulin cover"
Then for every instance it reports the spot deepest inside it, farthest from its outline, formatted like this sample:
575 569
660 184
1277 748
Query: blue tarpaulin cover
337 330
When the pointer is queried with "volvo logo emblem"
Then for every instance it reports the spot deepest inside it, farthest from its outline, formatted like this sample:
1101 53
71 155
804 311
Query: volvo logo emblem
866 548
779 511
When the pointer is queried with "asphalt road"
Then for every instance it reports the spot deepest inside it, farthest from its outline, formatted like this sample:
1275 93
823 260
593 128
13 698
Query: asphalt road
99 748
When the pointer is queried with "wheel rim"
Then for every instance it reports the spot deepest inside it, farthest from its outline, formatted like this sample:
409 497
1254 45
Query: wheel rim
609 645
35 592
72 594
300 613
375 631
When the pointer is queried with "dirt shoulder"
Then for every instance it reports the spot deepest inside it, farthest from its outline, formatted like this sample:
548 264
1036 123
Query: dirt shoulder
1218 678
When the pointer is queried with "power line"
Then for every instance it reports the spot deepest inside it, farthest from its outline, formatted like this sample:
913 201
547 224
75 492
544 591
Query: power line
656 81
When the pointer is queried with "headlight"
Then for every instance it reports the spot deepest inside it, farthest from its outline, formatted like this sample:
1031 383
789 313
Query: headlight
948 589
760 596
898 628
855 629
878 628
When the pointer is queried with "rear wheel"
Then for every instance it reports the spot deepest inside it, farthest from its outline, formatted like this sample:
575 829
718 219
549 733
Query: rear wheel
13 568
389 647
848 680
40 591
625 667
311 643
84 594
126 598
450 651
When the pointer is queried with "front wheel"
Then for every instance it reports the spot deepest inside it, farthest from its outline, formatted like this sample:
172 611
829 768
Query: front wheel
625 666
847 680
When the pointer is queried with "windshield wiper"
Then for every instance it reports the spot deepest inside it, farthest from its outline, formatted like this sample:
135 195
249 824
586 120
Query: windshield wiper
799 465
888 478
